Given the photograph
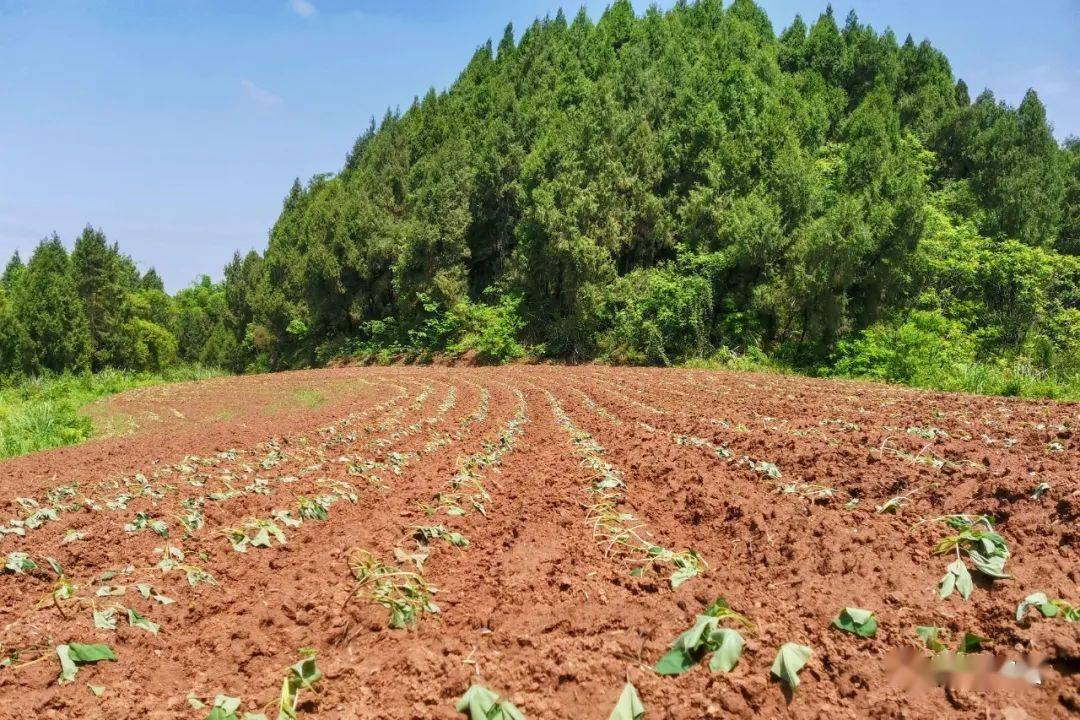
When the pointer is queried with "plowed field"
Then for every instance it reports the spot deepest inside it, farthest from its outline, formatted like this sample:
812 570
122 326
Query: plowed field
524 527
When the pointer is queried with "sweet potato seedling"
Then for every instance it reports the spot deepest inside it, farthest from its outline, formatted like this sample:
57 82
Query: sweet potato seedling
479 703
791 658
304 675
1047 608
857 622
74 655
980 543
704 637
405 594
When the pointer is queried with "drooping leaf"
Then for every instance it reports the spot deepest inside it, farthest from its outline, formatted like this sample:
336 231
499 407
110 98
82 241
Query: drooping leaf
19 562
629 706
931 637
992 565
857 622
790 659
729 648
479 703
105 618
956 576
137 620
73 655
1039 600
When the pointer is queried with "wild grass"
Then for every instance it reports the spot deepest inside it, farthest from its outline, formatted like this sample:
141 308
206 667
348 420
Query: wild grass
39 413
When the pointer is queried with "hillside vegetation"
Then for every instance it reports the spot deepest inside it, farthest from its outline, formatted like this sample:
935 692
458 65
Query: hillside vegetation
646 189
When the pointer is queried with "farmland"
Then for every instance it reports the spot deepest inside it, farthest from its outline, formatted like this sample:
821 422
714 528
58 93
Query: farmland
372 542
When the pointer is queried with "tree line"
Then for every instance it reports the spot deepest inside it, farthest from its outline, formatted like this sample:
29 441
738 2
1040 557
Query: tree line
641 189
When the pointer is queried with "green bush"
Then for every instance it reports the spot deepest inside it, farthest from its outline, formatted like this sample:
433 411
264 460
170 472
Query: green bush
658 317
925 350
491 330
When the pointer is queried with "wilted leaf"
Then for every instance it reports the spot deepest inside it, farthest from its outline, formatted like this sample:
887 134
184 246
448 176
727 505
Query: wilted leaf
19 562
137 620
857 622
73 655
479 703
105 618
790 659
956 576
730 647
931 637
629 706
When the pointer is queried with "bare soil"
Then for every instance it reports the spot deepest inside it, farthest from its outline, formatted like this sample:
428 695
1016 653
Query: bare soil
540 606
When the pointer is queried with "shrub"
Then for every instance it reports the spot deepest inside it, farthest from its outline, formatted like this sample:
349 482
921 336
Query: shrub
658 316
926 350
491 330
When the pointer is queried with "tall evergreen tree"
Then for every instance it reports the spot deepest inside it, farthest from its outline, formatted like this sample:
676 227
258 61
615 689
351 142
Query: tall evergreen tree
48 303
101 279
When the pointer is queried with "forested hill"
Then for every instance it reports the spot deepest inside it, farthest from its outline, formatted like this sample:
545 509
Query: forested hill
659 187
652 187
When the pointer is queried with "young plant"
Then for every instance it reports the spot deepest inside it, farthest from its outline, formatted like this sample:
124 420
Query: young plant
311 509
143 521
980 543
254 533
19 563
934 638
1047 607
857 622
479 703
424 534
301 676
225 707
73 655
704 637
405 594
790 660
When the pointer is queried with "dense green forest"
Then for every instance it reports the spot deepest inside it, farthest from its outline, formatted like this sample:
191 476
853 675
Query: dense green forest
646 189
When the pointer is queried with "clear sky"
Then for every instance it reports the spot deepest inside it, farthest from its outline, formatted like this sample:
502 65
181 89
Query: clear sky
177 126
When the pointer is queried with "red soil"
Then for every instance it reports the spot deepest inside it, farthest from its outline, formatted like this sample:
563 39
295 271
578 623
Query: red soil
536 607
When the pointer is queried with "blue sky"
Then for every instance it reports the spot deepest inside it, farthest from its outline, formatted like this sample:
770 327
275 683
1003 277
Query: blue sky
177 126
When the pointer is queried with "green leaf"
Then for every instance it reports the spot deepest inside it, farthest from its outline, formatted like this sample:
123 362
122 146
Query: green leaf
73 655
675 662
629 706
956 576
992 565
790 659
302 675
857 622
224 708
19 562
98 690
730 646
90 653
1032 600
682 574
971 643
931 637
105 618
137 620
479 703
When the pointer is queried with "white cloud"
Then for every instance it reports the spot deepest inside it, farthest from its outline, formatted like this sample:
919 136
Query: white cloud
259 96
303 8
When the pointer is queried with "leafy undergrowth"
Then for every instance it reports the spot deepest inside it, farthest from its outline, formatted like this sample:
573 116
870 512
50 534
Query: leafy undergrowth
44 412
